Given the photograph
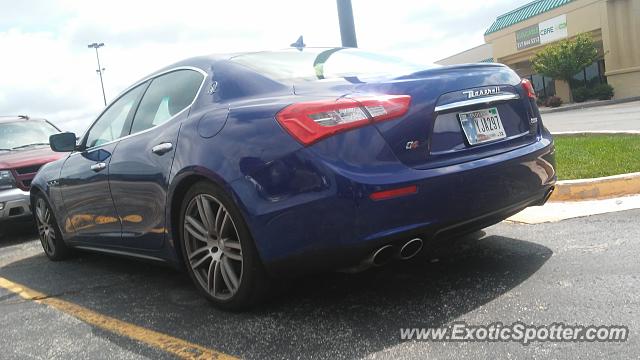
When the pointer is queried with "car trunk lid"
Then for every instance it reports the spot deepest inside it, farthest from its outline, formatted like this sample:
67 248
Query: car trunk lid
431 134
444 103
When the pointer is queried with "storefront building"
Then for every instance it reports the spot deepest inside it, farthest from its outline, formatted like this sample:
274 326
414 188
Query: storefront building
515 37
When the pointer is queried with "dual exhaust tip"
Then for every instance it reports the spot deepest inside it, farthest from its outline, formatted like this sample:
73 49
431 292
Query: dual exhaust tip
389 252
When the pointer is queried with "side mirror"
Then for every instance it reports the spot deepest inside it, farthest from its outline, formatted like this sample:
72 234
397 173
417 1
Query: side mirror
63 142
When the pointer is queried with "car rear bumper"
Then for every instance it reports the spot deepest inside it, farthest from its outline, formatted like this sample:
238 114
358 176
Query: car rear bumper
338 225
15 204
355 257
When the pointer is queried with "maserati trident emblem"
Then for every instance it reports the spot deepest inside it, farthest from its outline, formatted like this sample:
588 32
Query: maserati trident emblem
482 92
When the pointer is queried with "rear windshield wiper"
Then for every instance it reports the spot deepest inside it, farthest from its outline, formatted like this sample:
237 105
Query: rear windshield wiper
28 145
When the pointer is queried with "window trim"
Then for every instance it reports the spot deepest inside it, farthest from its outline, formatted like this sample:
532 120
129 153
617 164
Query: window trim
141 82
138 103
127 120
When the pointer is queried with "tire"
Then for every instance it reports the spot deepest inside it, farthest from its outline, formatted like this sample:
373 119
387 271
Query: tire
218 250
49 231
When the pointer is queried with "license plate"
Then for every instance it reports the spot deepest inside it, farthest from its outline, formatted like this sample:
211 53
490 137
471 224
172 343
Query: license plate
482 126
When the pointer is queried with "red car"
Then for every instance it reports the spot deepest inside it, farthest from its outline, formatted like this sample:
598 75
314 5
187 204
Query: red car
24 148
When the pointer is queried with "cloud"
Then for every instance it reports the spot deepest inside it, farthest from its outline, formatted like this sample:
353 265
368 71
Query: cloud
47 70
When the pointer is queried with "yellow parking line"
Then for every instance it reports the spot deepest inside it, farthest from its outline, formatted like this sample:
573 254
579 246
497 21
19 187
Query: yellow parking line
178 347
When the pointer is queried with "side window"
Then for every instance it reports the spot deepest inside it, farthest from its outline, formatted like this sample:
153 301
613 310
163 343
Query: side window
112 124
166 96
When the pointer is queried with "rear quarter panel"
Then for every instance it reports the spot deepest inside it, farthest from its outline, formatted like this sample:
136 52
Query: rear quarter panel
243 140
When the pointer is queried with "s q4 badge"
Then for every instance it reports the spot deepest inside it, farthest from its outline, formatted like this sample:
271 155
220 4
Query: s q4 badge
411 145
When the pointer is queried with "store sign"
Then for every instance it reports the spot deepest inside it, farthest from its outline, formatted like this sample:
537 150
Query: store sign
528 37
553 29
542 33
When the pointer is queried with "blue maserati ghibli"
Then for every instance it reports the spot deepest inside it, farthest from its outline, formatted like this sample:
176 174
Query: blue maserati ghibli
244 167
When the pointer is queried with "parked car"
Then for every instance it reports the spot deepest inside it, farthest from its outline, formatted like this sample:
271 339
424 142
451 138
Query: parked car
247 166
24 148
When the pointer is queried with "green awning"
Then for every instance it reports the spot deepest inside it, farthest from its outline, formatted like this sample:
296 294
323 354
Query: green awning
524 12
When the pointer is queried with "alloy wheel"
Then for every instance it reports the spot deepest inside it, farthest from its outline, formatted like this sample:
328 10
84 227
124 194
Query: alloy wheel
46 226
213 246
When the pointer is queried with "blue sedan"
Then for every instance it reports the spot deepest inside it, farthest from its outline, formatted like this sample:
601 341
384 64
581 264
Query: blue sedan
244 167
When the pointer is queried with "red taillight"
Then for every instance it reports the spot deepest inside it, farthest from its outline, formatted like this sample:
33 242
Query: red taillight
393 193
312 121
528 87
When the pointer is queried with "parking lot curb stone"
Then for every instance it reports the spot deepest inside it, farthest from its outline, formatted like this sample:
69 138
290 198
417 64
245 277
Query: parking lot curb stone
597 188
579 106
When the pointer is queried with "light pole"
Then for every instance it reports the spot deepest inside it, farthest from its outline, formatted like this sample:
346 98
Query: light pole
100 69
347 26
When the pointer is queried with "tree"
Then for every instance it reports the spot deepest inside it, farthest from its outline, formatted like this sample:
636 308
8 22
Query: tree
565 58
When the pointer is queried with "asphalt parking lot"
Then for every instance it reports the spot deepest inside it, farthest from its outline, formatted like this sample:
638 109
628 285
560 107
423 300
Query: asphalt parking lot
578 271
617 117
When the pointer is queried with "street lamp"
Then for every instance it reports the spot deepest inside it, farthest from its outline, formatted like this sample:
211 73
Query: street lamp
347 26
100 69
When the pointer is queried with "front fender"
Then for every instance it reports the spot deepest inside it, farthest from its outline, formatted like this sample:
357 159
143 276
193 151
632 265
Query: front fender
46 183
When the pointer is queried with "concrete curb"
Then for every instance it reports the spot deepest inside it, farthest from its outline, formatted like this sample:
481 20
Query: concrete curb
597 188
598 132
578 106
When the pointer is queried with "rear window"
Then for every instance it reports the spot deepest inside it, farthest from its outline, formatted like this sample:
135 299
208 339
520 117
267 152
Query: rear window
317 64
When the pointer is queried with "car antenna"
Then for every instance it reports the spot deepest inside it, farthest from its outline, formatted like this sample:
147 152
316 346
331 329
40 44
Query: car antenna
299 44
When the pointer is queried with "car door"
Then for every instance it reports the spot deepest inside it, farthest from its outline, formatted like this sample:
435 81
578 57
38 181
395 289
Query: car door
90 213
140 166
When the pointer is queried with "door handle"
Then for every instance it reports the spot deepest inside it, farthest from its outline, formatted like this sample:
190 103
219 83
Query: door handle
163 148
98 167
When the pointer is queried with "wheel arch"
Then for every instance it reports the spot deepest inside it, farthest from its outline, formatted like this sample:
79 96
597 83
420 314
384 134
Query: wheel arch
180 185
34 191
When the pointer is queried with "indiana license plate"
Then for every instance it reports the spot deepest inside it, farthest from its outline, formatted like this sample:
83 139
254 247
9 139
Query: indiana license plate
482 126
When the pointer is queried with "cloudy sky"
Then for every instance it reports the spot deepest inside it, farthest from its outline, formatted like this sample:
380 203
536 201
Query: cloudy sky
47 70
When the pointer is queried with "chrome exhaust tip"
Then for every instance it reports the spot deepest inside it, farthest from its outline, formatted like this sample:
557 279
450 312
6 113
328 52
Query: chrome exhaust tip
383 255
546 196
410 249
379 257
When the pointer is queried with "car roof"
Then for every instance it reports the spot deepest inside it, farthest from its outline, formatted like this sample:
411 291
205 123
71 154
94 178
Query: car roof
206 61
